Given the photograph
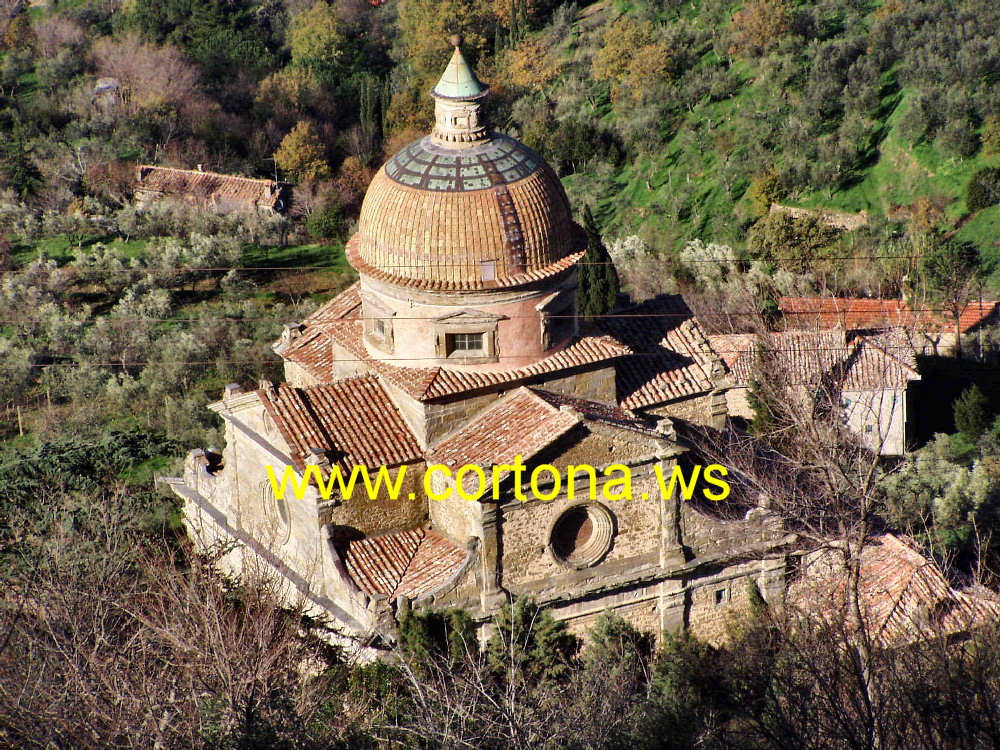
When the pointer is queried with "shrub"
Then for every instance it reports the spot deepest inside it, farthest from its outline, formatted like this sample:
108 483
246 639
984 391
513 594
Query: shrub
328 222
984 189
971 417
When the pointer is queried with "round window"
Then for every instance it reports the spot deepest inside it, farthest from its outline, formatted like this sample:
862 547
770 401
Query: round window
581 536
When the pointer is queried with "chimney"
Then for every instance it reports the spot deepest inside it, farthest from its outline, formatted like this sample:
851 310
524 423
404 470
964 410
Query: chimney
232 389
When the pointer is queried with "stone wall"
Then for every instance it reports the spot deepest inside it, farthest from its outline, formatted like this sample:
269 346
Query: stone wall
527 562
383 514
706 536
696 409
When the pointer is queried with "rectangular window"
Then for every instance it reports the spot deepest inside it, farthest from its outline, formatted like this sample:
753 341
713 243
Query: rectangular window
465 342
488 270
381 328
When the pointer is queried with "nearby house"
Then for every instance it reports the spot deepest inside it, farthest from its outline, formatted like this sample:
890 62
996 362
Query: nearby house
459 346
931 331
873 373
223 192
904 596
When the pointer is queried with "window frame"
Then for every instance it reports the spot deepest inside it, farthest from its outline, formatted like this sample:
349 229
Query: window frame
373 314
467 322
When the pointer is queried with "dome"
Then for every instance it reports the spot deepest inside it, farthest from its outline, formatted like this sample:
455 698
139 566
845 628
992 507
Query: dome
464 207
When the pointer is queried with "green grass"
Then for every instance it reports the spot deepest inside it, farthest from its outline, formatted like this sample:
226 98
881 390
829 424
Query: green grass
320 256
61 248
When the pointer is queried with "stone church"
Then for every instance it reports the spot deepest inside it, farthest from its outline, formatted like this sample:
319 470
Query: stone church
460 344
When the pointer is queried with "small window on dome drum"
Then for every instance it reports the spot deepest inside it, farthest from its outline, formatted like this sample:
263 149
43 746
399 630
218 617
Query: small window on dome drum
488 269
466 343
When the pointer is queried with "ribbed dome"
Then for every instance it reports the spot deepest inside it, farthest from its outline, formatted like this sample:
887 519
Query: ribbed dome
493 215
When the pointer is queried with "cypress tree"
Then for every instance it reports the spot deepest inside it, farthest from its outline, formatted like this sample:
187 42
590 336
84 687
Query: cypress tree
522 19
598 283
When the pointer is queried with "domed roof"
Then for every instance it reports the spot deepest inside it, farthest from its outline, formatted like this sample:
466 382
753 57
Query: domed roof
464 208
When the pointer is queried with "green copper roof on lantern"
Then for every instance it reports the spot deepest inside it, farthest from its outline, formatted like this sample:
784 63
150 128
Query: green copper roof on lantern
458 81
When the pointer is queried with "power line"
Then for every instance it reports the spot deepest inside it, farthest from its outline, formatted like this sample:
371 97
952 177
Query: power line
381 267
664 353
910 312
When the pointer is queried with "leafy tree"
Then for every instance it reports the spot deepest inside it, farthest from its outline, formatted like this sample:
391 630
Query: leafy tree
971 418
765 190
941 498
432 633
328 222
598 283
951 271
633 57
317 40
759 26
19 168
425 25
302 155
984 189
530 641
790 242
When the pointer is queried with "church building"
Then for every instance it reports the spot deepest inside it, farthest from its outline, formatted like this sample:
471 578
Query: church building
460 344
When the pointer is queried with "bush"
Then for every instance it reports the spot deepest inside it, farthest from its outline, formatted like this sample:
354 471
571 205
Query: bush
984 189
329 222
971 417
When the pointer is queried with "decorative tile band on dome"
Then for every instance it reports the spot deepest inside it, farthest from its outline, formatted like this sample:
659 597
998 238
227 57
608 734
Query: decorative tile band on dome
427 166
537 274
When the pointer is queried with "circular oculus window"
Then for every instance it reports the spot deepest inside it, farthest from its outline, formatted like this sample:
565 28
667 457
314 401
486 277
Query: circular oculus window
581 536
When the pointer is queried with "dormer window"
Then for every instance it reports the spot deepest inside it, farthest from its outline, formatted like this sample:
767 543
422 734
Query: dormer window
467 336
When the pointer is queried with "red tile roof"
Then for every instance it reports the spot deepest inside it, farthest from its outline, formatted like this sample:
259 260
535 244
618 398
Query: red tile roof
672 357
865 362
211 187
353 421
339 321
409 563
862 313
904 595
519 424
598 412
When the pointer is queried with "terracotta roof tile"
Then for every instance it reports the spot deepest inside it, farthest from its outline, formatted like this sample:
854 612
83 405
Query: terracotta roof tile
673 358
866 362
211 187
409 563
521 423
903 594
353 421
862 313
598 412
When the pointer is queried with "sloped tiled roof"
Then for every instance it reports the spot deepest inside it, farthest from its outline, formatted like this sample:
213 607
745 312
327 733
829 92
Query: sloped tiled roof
209 186
598 412
408 563
340 321
519 424
861 313
904 595
672 357
865 362
353 421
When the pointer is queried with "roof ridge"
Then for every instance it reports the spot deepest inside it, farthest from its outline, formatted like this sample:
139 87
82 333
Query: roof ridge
263 180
